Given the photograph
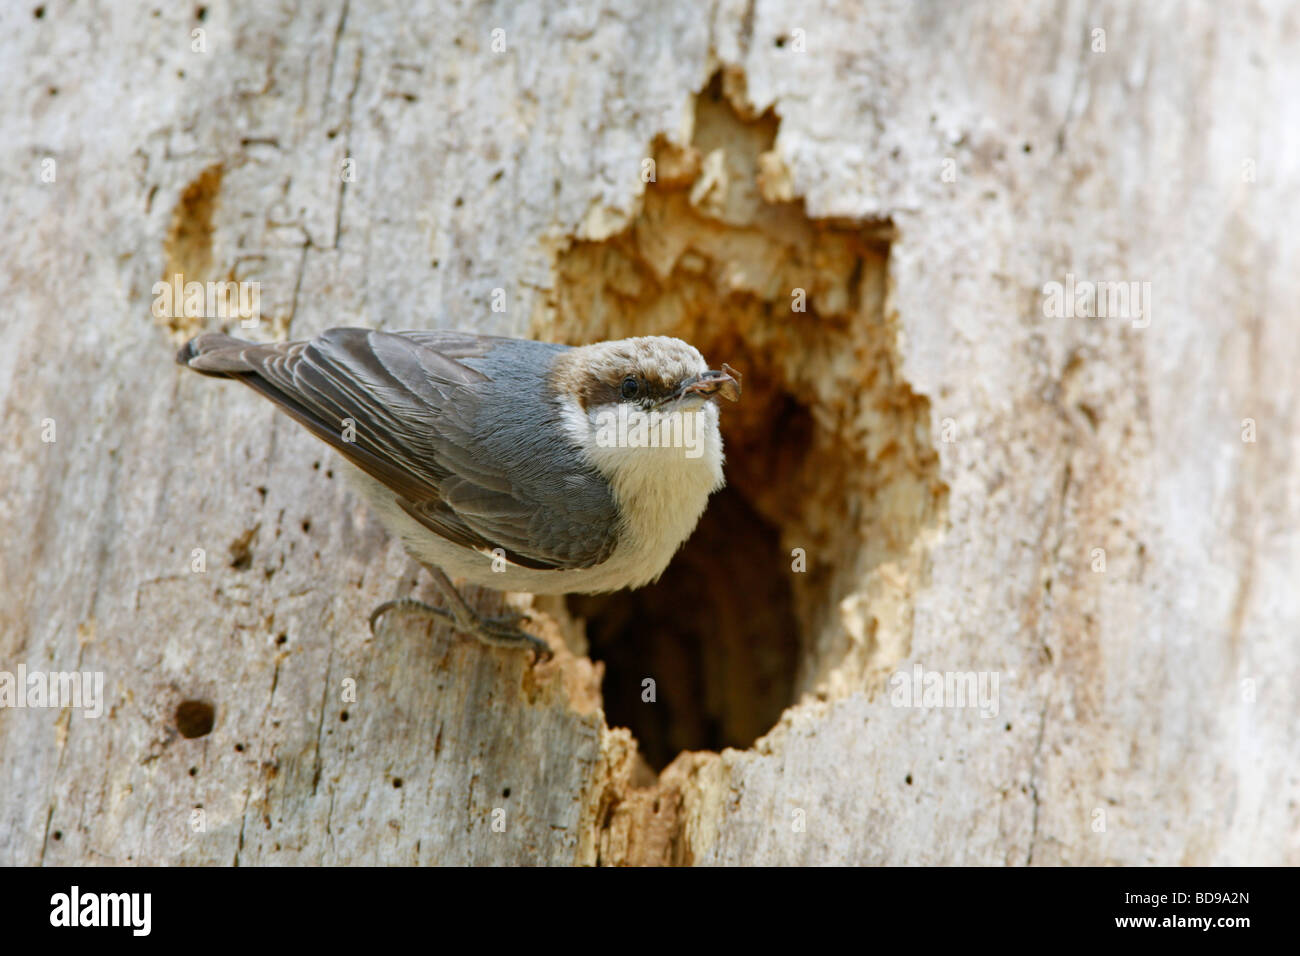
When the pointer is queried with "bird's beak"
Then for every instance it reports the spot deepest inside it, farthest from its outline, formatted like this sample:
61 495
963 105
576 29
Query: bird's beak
725 383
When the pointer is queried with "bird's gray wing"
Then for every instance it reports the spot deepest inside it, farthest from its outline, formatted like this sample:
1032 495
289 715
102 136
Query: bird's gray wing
407 410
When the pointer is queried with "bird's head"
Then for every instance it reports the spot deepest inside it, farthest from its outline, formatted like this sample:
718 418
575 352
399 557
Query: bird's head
645 406
647 374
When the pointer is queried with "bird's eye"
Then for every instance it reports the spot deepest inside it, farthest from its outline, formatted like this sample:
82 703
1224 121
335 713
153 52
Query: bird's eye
631 387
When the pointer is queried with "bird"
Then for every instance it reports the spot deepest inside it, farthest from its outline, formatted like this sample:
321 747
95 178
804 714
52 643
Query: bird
513 464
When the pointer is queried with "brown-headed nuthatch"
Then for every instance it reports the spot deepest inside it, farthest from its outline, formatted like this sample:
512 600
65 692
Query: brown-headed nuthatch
516 465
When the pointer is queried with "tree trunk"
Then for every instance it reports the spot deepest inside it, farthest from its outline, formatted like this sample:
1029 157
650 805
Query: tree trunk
998 578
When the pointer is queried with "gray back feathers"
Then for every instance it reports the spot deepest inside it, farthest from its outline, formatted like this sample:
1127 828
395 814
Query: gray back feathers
464 429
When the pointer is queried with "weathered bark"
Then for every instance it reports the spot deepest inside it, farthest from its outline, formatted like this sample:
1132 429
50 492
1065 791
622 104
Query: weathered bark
976 486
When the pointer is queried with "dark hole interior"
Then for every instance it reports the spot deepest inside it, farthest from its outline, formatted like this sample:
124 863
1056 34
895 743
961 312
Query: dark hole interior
194 718
717 634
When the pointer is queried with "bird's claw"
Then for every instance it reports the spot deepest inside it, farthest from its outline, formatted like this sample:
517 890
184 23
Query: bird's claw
499 631
406 604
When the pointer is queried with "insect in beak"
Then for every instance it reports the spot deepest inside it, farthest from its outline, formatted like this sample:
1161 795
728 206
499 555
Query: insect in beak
713 382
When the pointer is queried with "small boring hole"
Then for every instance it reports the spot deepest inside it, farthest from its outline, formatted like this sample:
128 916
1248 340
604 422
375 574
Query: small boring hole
194 718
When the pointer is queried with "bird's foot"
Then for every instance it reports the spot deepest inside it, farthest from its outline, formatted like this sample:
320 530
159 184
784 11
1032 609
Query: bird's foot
408 606
499 631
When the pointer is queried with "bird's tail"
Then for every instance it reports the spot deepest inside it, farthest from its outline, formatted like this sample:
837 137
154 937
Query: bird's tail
215 353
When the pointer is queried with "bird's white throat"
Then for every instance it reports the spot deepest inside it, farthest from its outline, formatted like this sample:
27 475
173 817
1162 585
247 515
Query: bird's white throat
662 467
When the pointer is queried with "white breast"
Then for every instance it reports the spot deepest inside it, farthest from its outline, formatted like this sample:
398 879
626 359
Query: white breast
661 491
